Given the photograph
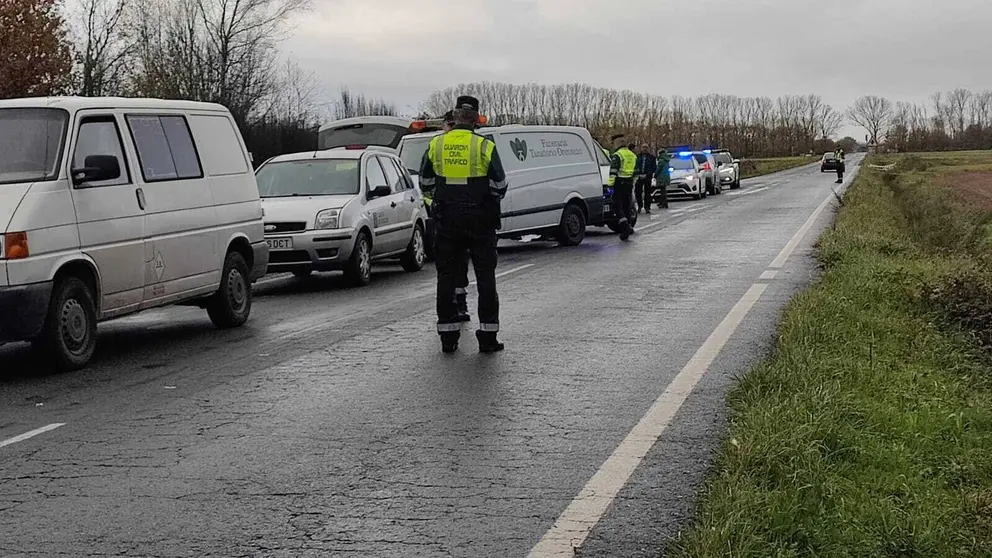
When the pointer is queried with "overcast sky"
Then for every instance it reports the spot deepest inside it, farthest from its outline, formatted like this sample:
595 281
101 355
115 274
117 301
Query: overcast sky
840 49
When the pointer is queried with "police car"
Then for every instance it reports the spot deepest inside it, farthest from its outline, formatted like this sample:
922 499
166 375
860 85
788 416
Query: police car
687 176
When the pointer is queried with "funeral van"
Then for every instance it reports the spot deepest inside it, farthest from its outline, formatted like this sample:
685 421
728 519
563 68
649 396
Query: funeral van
109 206
554 183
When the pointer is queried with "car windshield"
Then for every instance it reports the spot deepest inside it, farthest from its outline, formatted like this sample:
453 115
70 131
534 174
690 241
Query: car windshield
412 152
31 144
723 157
681 164
311 177
701 157
364 135
828 155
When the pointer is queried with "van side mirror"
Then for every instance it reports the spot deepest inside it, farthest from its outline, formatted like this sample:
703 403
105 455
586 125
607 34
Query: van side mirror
97 168
379 192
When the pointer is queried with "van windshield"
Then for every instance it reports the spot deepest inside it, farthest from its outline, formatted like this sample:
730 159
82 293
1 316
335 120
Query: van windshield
311 177
412 152
31 144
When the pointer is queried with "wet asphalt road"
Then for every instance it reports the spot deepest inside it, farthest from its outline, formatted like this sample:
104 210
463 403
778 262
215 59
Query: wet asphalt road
332 424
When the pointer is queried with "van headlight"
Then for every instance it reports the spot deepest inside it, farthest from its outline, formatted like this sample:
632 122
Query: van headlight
327 219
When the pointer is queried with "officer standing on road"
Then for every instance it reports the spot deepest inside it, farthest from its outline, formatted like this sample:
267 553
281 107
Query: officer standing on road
622 166
647 165
839 155
461 285
663 175
463 173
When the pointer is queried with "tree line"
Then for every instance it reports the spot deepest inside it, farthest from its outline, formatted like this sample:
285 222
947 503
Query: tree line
226 51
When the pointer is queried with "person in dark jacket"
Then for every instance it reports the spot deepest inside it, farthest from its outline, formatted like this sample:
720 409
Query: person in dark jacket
463 174
647 166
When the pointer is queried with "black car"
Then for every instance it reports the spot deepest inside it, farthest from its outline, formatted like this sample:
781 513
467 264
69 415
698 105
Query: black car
829 162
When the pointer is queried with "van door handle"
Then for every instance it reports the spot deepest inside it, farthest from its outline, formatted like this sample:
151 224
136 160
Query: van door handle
392 204
141 198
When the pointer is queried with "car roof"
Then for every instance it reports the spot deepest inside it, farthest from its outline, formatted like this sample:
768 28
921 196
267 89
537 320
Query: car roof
323 154
73 104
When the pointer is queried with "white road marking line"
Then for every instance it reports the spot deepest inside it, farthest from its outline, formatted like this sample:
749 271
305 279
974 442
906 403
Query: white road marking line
509 271
780 260
755 191
586 510
768 274
31 434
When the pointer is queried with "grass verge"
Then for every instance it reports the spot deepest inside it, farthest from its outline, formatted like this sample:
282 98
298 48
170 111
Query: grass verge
751 168
869 431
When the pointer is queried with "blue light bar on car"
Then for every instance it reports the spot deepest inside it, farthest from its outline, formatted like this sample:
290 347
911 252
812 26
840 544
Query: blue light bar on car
685 153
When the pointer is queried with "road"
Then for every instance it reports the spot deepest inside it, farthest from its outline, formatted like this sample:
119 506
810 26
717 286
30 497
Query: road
332 424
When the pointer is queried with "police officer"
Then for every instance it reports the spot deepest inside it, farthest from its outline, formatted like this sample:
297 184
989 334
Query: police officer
622 166
663 176
461 285
463 173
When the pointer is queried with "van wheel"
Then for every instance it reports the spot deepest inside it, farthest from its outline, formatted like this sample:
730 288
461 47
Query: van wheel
231 304
358 270
68 338
413 259
572 228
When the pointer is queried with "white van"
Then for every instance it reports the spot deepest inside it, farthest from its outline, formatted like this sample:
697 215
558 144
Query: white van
109 206
555 184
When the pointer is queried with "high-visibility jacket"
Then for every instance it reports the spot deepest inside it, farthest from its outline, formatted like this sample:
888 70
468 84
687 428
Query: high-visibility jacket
622 164
460 155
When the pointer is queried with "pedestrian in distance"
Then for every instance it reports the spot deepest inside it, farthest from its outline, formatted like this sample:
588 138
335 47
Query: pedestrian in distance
623 163
839 155
463 173
663 177
647 166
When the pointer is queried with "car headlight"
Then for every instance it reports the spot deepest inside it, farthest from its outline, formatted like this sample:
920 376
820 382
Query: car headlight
327 219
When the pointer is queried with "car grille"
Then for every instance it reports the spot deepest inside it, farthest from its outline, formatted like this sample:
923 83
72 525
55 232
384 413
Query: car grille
289 256
287 227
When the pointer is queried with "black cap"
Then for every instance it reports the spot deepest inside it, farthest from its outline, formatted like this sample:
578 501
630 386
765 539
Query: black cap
615 137
467 102
449 116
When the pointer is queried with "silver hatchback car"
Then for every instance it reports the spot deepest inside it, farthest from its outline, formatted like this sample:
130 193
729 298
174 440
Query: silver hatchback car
341 209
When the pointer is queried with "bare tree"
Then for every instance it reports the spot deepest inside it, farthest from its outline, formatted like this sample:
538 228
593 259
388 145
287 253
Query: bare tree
872 113
351 105
102 46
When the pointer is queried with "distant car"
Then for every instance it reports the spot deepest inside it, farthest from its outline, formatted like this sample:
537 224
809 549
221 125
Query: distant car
341 209
708 169
687 177
829 162
728 168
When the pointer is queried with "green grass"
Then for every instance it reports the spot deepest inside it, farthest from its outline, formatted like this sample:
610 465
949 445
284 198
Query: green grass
751 168
869 430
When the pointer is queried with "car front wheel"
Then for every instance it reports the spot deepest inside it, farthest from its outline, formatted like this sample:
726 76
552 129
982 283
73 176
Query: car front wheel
68 338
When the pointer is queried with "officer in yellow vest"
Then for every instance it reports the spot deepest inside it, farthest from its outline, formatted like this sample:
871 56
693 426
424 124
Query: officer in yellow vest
622 166
463 174
461 286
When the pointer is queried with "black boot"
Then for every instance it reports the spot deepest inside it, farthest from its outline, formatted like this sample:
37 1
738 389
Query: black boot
449 342
488 342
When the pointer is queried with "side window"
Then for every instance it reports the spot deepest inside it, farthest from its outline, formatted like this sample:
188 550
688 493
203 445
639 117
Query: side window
373 174
165 148
98 135
392 176
406 183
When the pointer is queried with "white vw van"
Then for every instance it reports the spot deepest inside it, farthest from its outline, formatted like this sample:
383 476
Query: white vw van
555 184
109 206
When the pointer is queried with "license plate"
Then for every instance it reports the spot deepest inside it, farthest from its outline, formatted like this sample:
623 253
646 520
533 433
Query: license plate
279 243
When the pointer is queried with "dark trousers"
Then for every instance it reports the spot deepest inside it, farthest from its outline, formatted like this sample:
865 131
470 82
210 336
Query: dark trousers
461 284
622 193
643 192
840 172
662 190
450 249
